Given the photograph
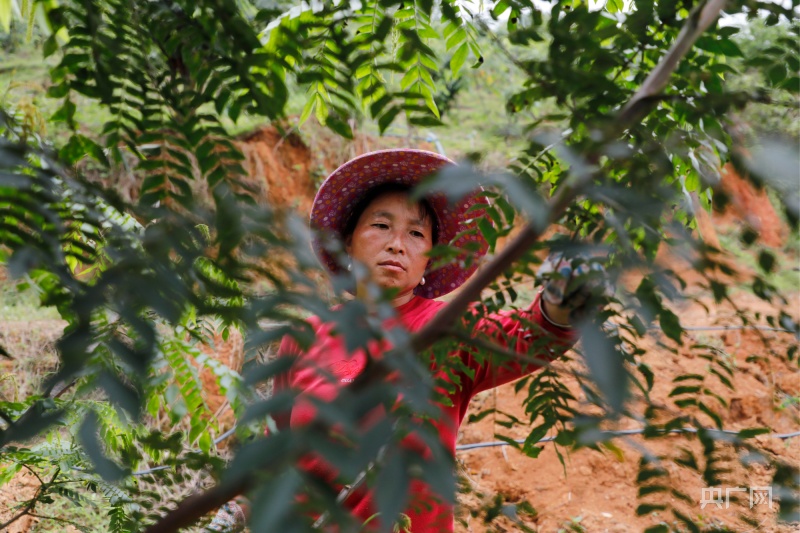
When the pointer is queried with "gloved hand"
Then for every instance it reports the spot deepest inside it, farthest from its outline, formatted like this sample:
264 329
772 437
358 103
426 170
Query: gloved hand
229 519
570 282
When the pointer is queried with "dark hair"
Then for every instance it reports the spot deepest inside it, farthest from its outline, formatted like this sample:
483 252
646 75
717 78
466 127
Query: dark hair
426 210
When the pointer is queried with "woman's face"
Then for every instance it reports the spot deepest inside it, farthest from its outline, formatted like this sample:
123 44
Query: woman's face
392 237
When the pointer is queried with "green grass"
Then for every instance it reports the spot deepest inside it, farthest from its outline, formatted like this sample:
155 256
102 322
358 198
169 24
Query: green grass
90 513
24 81
22 305
784 276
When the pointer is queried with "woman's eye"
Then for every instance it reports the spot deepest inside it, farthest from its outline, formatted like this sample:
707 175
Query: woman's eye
418 234
380 226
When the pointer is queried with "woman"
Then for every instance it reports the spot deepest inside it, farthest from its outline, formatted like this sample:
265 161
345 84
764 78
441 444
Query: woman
365 205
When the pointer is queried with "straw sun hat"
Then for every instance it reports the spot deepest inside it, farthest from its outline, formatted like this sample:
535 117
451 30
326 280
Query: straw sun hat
349 183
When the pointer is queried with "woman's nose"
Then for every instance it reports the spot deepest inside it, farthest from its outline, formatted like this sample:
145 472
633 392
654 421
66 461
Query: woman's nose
395 244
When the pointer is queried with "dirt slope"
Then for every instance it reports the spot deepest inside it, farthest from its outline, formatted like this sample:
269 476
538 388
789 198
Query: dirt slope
599 488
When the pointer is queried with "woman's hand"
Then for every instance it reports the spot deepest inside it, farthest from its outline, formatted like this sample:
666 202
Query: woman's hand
569 284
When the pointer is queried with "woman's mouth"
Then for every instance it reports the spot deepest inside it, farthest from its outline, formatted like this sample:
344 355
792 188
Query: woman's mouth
392 265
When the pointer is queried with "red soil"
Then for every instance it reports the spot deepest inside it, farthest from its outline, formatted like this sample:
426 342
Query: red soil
752 206
599 488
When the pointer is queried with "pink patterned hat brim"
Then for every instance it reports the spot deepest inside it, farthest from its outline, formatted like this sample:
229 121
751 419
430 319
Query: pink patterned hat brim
349 183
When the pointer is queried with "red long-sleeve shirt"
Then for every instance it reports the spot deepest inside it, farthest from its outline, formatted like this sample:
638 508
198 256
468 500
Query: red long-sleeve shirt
310 375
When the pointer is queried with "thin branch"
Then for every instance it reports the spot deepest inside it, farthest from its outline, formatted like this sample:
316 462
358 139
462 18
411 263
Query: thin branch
489 346
56 519
347 491
699 20
28 508
32 471
33 501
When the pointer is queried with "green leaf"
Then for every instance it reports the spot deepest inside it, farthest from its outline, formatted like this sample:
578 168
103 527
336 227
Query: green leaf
392 486
425 121
687 377
8 472
340 126
670 325
386 119
647 508
614 6
321 108
723 46
500 8
66 113
752 432
410 78
459 36
87 434
791 84
489 232
646 475
651 489
50 45
766 261
307 109
777 74
684 389
508 440
647 373
458 59
606 365
6 12
711 413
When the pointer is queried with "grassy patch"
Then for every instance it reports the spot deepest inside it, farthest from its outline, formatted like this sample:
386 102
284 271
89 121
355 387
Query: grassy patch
785 275
90 513
22 305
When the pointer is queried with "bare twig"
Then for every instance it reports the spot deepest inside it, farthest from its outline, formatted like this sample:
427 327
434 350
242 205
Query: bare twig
33 501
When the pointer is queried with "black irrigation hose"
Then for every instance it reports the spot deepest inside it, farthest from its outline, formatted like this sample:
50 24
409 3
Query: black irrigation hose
733 328
466 447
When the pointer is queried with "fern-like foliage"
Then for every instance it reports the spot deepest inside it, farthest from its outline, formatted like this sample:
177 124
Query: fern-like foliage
138 283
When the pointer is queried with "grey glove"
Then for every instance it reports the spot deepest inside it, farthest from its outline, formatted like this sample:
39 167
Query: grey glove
230 519
571 282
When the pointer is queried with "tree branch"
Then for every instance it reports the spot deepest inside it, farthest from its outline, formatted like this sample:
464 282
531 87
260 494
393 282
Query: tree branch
192 508
699 20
